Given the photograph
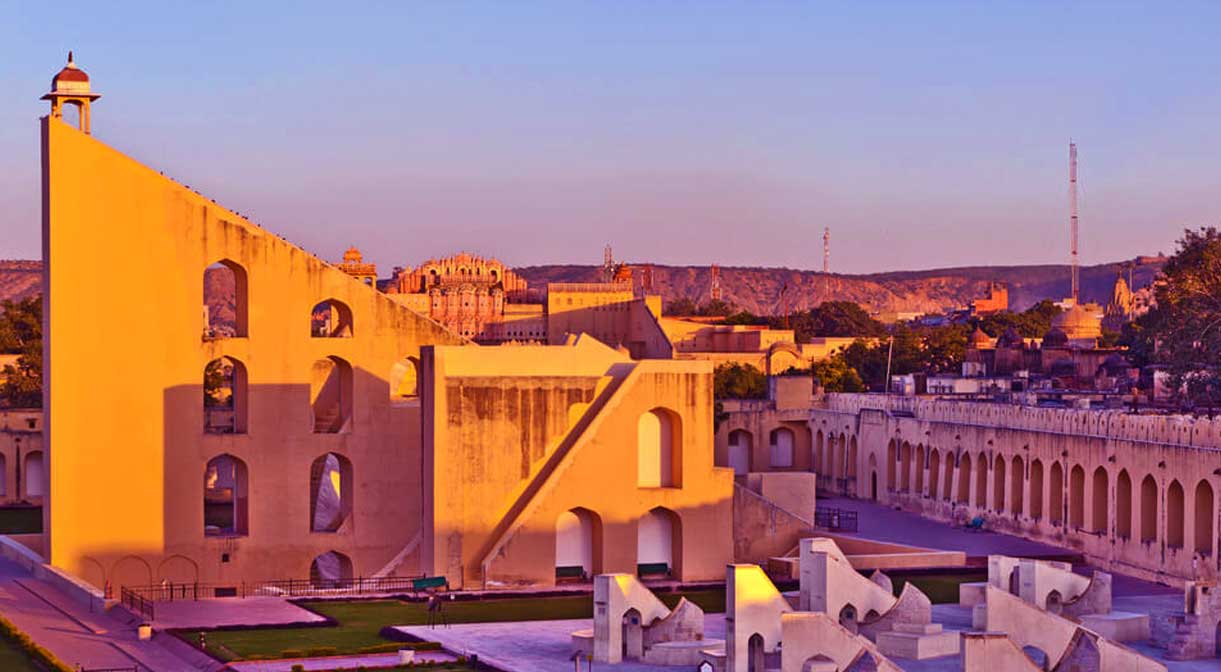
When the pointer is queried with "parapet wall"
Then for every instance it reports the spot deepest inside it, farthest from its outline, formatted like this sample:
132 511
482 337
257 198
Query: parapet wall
1180 430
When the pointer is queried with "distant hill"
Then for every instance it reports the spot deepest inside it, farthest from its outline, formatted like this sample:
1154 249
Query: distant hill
20 279
758 289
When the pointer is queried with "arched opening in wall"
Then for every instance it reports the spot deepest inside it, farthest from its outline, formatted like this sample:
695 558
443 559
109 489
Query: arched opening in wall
1036 489
226 498
843 456
740 442
891 458
577 535
755 657
33 475
964 479
1076 497
1204 519
1148 509
905 467
225 301
919 469
1123 505
330 571
948 489
934 472
331 319
331 396
832 449
330 492
1100 512
981 481
404 380
818 663
633 635
1174 515
225 386
1055 603
659 449
818 453
1015 583
658 543
847 617
852 457
1017 488
873 478
1036 656
780 445
998 483
1056 489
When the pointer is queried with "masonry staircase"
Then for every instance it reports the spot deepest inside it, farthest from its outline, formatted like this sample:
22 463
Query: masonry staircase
527 500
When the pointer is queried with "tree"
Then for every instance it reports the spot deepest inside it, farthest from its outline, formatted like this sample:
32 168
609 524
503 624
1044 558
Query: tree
1183 331
681 308
739 381
1034 322
833 318
21 335
834 374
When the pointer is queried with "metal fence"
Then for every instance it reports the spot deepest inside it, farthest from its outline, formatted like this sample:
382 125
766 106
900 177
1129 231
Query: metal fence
836 520
141 598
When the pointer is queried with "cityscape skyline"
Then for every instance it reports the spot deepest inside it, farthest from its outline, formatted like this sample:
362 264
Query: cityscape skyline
578 126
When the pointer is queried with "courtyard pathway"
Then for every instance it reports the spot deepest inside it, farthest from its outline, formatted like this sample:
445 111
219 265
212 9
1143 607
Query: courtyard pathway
78 636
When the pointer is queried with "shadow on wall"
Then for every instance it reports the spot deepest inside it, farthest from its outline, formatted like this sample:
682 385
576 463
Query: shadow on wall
265 498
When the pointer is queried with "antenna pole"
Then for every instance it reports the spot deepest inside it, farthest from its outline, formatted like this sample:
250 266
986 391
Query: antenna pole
1072 232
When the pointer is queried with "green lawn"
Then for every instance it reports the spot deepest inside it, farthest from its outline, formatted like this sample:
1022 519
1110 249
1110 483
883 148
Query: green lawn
13 659
21 520
361 620
940 588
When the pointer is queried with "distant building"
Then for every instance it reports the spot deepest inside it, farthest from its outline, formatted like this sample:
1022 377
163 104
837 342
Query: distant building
467 294
355 266
996 301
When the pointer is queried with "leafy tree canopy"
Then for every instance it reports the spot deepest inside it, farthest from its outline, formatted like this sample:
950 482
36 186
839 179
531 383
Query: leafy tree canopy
21 334
739 381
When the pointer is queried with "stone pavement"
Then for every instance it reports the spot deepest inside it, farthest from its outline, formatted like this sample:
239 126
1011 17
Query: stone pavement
534 646
220 611
336 662
78 636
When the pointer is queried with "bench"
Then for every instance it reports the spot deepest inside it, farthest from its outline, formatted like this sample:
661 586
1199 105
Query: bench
429 583
572 572
652 568
976 524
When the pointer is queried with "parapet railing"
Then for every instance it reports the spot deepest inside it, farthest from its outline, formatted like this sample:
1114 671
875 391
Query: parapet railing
835 520
142 598
1181 430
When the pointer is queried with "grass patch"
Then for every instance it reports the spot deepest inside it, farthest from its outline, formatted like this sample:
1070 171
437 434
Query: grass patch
360 622
940 588
21 520
14 659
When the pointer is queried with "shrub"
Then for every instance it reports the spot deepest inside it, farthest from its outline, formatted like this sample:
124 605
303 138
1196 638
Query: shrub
31 648
318 651
292 653
298 668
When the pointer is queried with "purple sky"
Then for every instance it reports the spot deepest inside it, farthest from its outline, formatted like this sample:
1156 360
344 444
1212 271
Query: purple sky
923 134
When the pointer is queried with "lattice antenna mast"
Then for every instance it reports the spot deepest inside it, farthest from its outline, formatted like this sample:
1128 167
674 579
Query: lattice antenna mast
608 264
715 289
1072 208
826 261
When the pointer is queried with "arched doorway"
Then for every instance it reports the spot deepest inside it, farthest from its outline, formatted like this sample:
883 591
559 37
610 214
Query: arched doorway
331 570
847 618
658 538
755 655
780 447
1100 501
739 451
576 547
659 449
873 478
1204 519
633 635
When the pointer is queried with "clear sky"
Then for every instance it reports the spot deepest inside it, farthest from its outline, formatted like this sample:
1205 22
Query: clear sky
924 134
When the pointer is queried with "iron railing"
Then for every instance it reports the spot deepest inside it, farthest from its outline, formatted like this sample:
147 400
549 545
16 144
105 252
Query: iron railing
137 603
139 596
836 520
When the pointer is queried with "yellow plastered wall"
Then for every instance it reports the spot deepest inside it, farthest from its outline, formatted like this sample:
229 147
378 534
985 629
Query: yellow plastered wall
504 457
126 250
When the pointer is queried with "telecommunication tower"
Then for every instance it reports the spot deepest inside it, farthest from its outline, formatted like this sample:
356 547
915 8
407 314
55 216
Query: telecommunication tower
715 289
608 264
826 262
1072 231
